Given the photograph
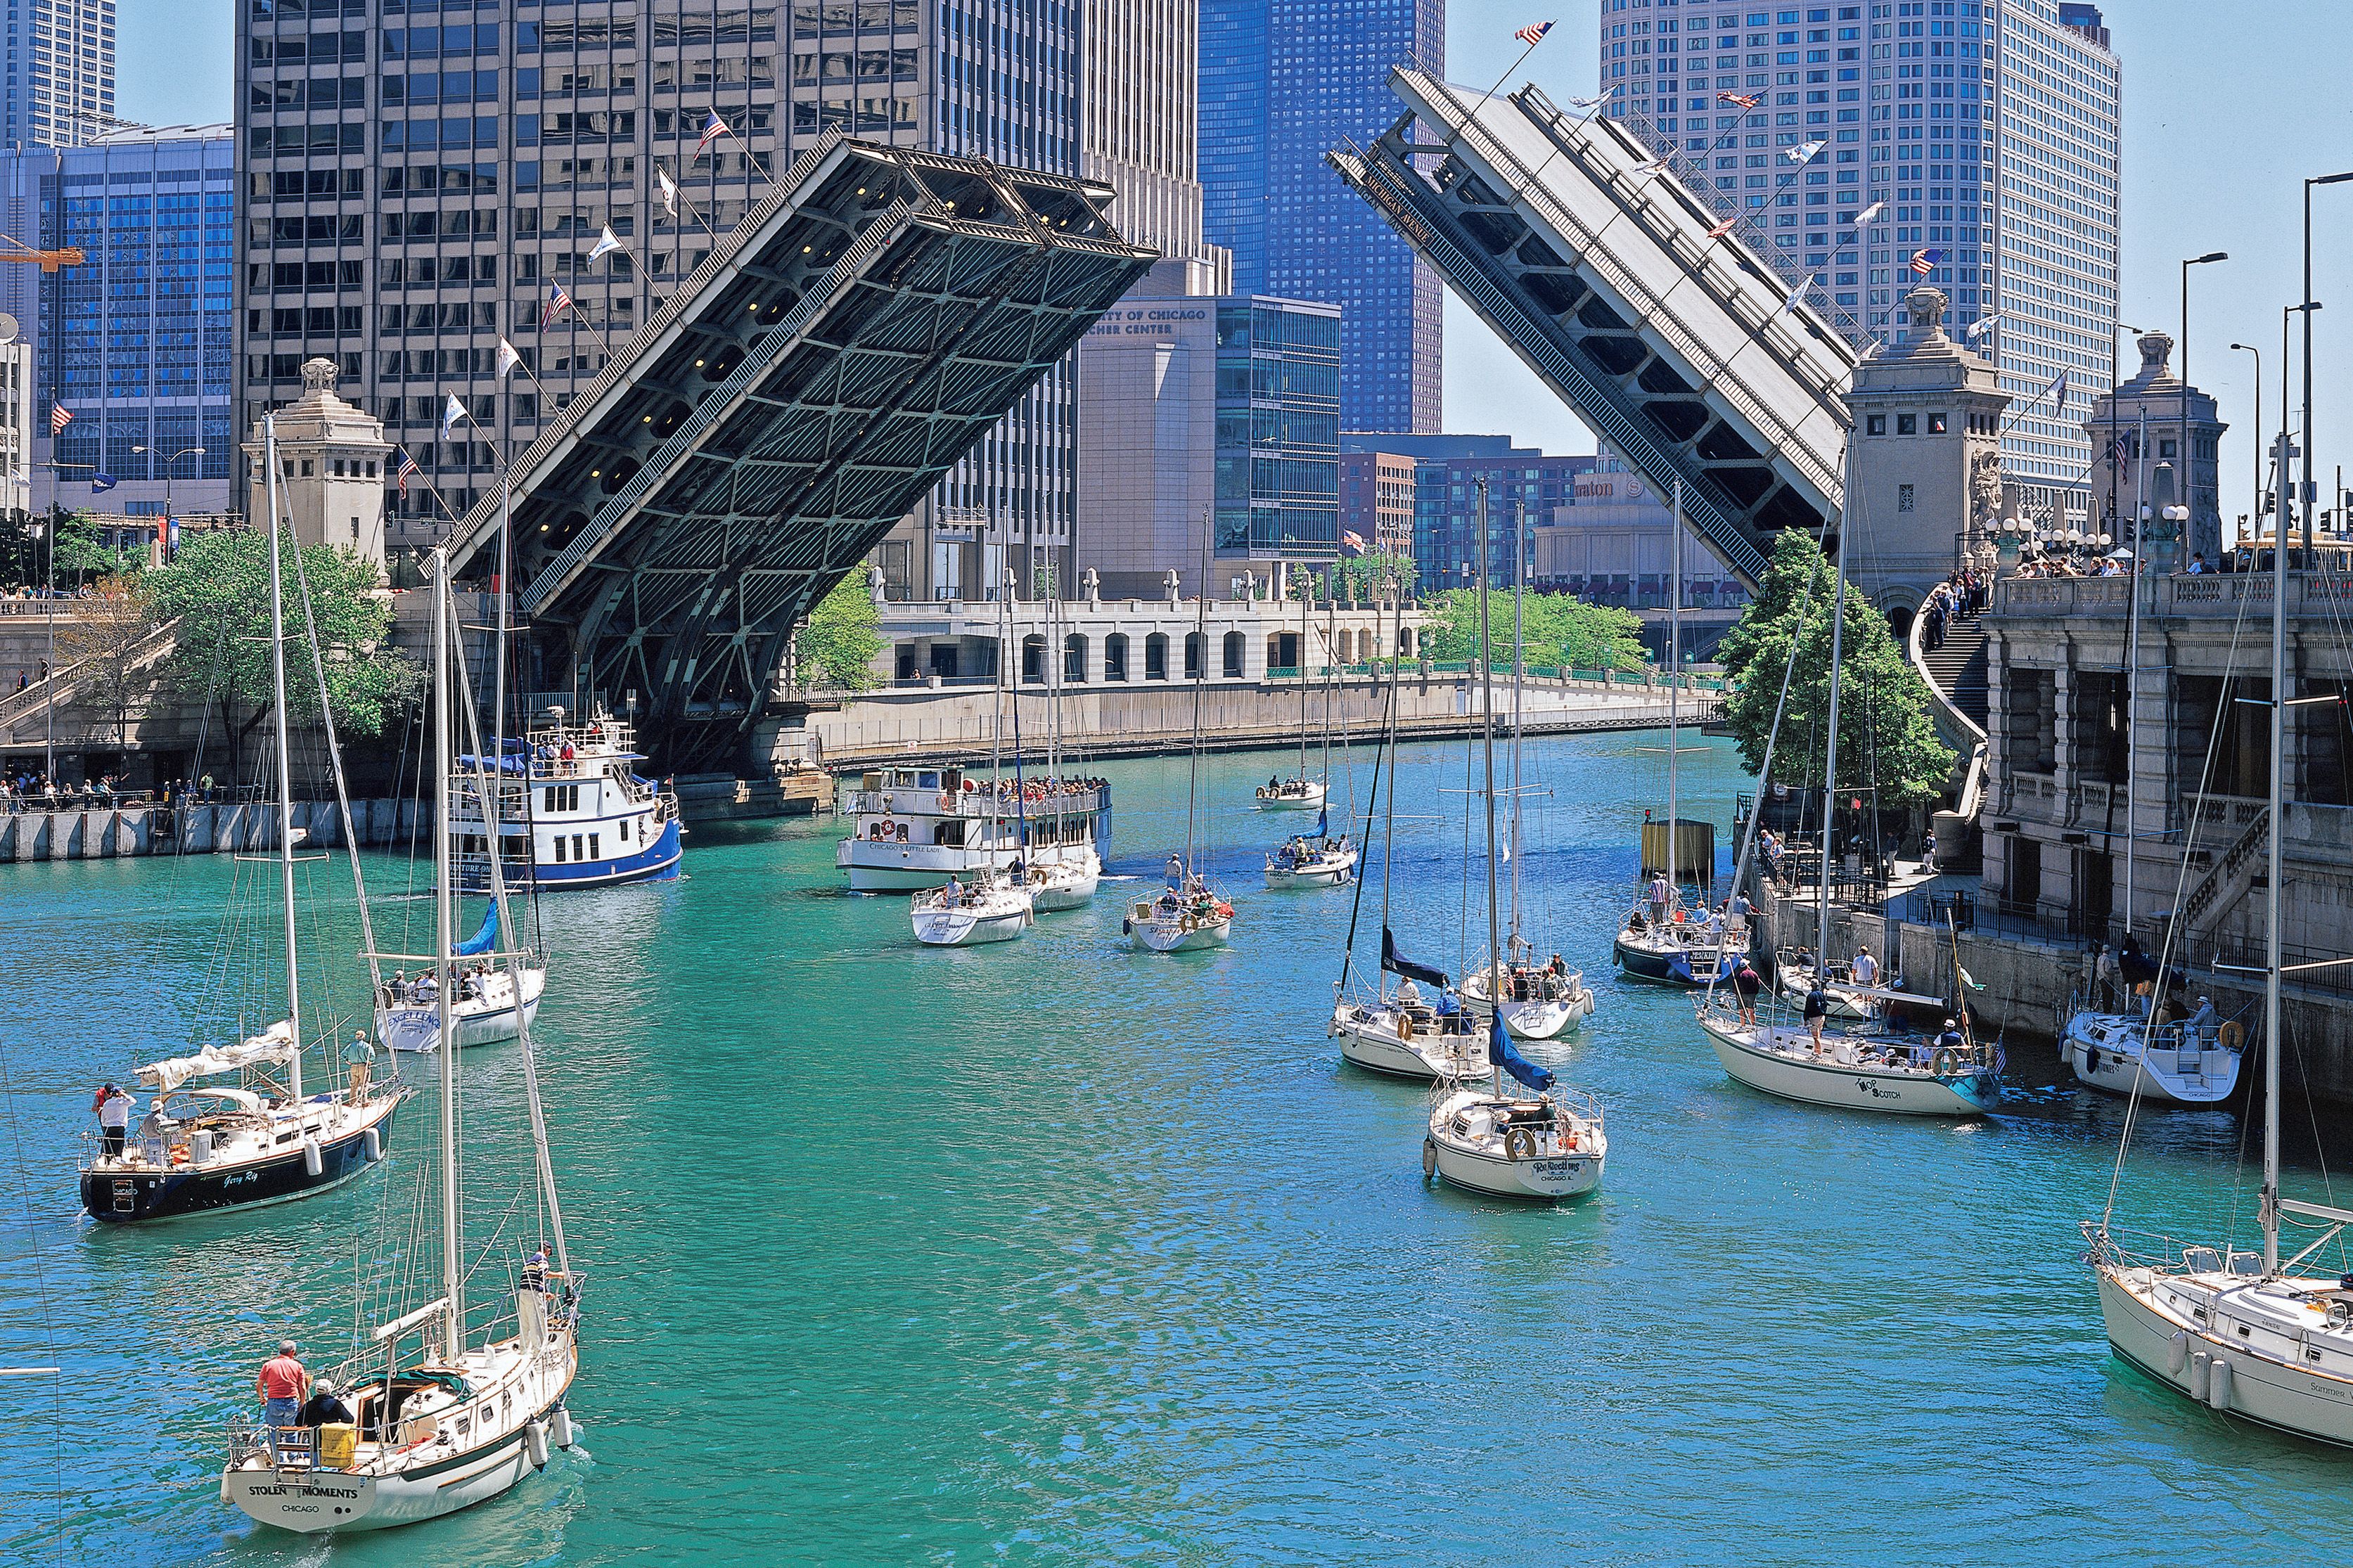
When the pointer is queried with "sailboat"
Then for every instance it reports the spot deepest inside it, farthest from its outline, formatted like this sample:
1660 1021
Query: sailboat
1482 1138
1876 1069
461 1416
1188 913
1057 845
1297 793
1665 939
2238 1331
263 1140
1541 1000
996 904
1399 1034
1318 859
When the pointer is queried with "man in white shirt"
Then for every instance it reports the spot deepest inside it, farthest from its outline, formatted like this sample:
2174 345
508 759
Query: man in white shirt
1866 968
113 1108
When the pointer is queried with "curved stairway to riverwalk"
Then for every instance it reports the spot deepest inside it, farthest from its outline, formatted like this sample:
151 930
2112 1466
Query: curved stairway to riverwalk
1957 673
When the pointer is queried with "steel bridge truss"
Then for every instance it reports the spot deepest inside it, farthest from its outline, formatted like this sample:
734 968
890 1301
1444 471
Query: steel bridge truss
1679 346
855 336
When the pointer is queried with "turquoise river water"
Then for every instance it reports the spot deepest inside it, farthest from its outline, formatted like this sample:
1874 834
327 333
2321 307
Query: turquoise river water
1058 1251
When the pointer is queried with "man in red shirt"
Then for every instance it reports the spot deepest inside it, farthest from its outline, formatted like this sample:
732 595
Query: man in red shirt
283 1385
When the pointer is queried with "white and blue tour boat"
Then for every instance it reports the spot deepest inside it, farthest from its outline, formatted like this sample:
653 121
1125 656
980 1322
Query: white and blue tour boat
574 812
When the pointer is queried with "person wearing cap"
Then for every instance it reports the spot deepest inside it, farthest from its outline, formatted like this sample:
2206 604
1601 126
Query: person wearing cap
113 1108
360 1057
2199 1026
322 1408
1746 984
1816 1012
281 1385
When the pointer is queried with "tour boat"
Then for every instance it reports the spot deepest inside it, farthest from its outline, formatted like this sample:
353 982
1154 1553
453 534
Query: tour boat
1547 1147
203 1148
968 914
2168 1064
1541 1000
2243 1332
470 1412
914 827
1879 1071
573 812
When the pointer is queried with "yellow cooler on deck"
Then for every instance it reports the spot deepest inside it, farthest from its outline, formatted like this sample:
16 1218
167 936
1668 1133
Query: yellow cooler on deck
338 1441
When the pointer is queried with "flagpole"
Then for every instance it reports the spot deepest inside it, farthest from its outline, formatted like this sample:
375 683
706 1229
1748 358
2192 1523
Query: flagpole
724 129
677 193
1540 31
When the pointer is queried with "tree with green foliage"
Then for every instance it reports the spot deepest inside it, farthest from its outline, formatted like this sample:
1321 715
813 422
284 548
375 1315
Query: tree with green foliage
1886 740
838 645
1558 629
1368 575
81 558
217 586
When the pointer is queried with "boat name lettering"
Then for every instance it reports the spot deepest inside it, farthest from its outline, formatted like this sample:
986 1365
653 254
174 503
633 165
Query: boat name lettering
1870 1087
347 1494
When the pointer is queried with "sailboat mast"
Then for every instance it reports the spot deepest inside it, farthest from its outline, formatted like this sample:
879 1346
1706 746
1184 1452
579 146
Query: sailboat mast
1674 681
1487 747
1830 761
1388 745
452 1283
1331 624
2273 900
499 649
1519 691
285 763
1200 678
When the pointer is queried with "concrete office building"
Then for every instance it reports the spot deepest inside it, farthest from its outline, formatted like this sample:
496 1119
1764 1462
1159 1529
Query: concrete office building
453 168
1988 134
1376 501
134 343
1281 86
1198 409
1446 468
60 73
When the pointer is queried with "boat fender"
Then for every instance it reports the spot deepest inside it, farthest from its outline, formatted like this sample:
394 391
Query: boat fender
2091 1060
372 1142
1126 926
314 1163
534 1443
2201 1367
2218 1385
1942 1063
2176 1352
560 1427
2233 1035
1519 1143
1428 1157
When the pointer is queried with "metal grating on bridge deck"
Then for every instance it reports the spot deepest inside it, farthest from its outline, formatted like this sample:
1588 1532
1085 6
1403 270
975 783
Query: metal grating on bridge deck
861 330
1598 268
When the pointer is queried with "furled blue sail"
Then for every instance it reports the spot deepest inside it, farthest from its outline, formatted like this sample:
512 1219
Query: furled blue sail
1506 1055
483 939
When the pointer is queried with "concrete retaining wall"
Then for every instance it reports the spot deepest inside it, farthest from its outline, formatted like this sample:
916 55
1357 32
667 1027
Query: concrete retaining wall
241 828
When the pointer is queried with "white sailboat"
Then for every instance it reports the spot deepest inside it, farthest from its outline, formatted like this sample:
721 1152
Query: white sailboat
1297 793
989 909
444 1415
1057 848
2246 1333
205 1147
1318 859
1546 1146
1189 914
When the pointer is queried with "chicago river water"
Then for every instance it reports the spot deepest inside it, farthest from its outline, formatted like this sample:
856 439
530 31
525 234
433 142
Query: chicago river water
1056 1250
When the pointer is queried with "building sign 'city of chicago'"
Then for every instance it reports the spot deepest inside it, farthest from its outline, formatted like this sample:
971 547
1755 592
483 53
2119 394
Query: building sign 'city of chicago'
1153 322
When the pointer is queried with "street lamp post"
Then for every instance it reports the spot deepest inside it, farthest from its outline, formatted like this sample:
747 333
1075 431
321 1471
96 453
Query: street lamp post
49 620
2256 503
2286 480
2308 307
2189 449
169 464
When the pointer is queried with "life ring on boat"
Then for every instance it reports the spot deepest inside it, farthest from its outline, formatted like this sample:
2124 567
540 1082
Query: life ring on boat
1519 1143
947 802
2233 1035
1405 1027
1429 1156
1944 1061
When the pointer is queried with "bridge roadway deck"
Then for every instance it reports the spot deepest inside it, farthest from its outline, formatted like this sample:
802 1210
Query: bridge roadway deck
1679 346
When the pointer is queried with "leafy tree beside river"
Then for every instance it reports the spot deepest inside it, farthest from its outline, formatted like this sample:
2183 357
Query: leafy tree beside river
1559 630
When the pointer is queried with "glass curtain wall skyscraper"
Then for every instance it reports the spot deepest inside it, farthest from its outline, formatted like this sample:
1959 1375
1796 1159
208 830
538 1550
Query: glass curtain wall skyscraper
454 165
60 72
1985 139
1282 85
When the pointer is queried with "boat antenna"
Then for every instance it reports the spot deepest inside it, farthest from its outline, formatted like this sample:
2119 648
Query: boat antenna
285 759
1830 758
1487 747
453 1282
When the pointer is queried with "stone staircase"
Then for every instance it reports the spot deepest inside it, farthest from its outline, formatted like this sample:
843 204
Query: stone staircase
2232 873
1957 669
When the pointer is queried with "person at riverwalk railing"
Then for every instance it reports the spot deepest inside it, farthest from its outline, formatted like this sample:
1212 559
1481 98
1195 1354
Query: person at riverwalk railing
281 1385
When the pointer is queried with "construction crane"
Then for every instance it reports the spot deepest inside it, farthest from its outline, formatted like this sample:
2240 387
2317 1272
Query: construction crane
14 249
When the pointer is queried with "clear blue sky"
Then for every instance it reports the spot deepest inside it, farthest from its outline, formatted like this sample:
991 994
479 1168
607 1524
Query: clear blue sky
2226 108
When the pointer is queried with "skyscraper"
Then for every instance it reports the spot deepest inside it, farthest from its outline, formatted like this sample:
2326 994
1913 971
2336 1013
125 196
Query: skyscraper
60 72
456 170
1985 139
1281 86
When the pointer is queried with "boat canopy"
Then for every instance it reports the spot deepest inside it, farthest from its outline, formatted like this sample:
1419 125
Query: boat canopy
275 1044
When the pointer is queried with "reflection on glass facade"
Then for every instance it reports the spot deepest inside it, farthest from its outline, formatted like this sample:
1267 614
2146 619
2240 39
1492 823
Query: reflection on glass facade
1278 476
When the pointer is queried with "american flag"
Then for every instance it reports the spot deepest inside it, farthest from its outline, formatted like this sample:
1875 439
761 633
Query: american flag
1727 227
1353 543
1744 100
714 128
2117 449
59 417
1925 261
407 467
1532 35
558 302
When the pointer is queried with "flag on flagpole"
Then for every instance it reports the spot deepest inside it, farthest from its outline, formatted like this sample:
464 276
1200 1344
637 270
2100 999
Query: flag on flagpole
1591 103
451 412
1981 326
1967 979
1925 261
1644 171
1867 214
407 467
100 483
1727 227
509 357
1534 35
1797 293
558 302
2118 449
667 192
607 243
1805 153
2057 390
714 128
59 417
1741 99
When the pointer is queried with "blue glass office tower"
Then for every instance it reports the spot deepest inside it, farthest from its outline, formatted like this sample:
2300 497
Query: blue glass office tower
1281 86
1278 495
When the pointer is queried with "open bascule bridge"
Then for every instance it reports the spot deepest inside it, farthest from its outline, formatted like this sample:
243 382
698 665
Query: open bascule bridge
836 354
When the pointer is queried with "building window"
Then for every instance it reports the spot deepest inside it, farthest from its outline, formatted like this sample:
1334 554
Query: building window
1907 424
1903 498
1936 423
1876 425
